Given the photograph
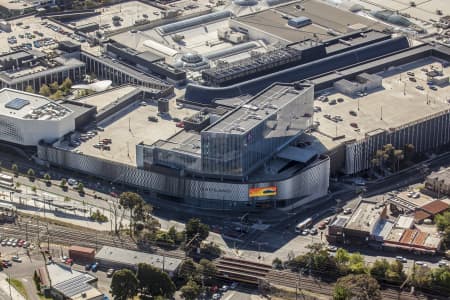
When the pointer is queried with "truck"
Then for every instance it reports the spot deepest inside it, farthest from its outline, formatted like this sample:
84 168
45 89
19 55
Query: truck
303 225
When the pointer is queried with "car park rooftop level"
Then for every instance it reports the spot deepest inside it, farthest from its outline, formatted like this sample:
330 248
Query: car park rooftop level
258 109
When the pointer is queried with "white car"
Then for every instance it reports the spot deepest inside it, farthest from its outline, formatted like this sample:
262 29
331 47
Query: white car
401 259
216 296
72 181
332 248
224 288
15 258
421 263
443 263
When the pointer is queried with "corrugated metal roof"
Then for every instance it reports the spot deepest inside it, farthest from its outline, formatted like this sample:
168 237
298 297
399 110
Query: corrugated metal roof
435 207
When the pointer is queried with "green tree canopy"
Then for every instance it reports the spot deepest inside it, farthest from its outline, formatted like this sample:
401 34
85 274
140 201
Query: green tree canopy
191 290
360 287
124 285
196 227
154 282
379 269
54 86
208 270
45 90
29 89
67 84
188 270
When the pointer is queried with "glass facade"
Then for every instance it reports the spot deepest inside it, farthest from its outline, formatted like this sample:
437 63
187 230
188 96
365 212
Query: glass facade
237 154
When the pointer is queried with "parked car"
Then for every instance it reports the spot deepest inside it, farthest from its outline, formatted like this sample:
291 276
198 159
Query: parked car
16 258
332 248
110 272
401 259
72 181
443 263
94 267
347 211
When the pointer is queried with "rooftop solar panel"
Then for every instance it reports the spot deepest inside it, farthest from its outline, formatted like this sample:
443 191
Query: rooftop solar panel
17 103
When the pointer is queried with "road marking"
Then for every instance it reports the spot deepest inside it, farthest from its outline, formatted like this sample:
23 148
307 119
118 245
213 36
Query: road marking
230 296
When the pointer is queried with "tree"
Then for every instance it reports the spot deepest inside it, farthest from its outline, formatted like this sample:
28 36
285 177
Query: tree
66 85
45 90
195 228
277 263
47 178
210 249
17 184
54 86
15 169
124 284
130 200
395 272
341 293
208 270
421 276
30 173
29 89
379 269
191 290
80 188
361 287
33 189
57 95
441 280
357 264
443 224
188 270
154 282
63 183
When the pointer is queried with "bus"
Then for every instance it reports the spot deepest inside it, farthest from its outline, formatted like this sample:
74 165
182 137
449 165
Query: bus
303 225
6 180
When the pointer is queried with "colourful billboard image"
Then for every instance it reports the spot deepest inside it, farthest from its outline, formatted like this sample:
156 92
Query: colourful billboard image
262 191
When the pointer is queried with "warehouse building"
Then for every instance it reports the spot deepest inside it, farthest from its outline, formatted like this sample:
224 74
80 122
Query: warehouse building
61 282
439 182
119 258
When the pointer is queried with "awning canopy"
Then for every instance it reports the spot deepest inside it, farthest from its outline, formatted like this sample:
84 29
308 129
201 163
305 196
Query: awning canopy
297 154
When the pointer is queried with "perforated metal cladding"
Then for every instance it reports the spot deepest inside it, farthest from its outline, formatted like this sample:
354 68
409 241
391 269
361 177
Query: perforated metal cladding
10 132
308 182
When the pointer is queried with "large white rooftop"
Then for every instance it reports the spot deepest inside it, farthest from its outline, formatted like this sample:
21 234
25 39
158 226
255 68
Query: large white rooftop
23 105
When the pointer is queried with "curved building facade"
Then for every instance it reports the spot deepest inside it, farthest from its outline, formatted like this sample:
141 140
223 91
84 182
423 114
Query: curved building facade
26 119
303 187
205 94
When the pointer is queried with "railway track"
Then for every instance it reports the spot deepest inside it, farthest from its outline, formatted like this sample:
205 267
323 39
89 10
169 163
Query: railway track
257 274
56 234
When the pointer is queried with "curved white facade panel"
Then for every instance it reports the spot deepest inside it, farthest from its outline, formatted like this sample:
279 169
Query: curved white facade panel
99 86
26 118
30 132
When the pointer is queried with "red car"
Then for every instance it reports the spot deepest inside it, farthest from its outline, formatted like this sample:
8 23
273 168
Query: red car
69 261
